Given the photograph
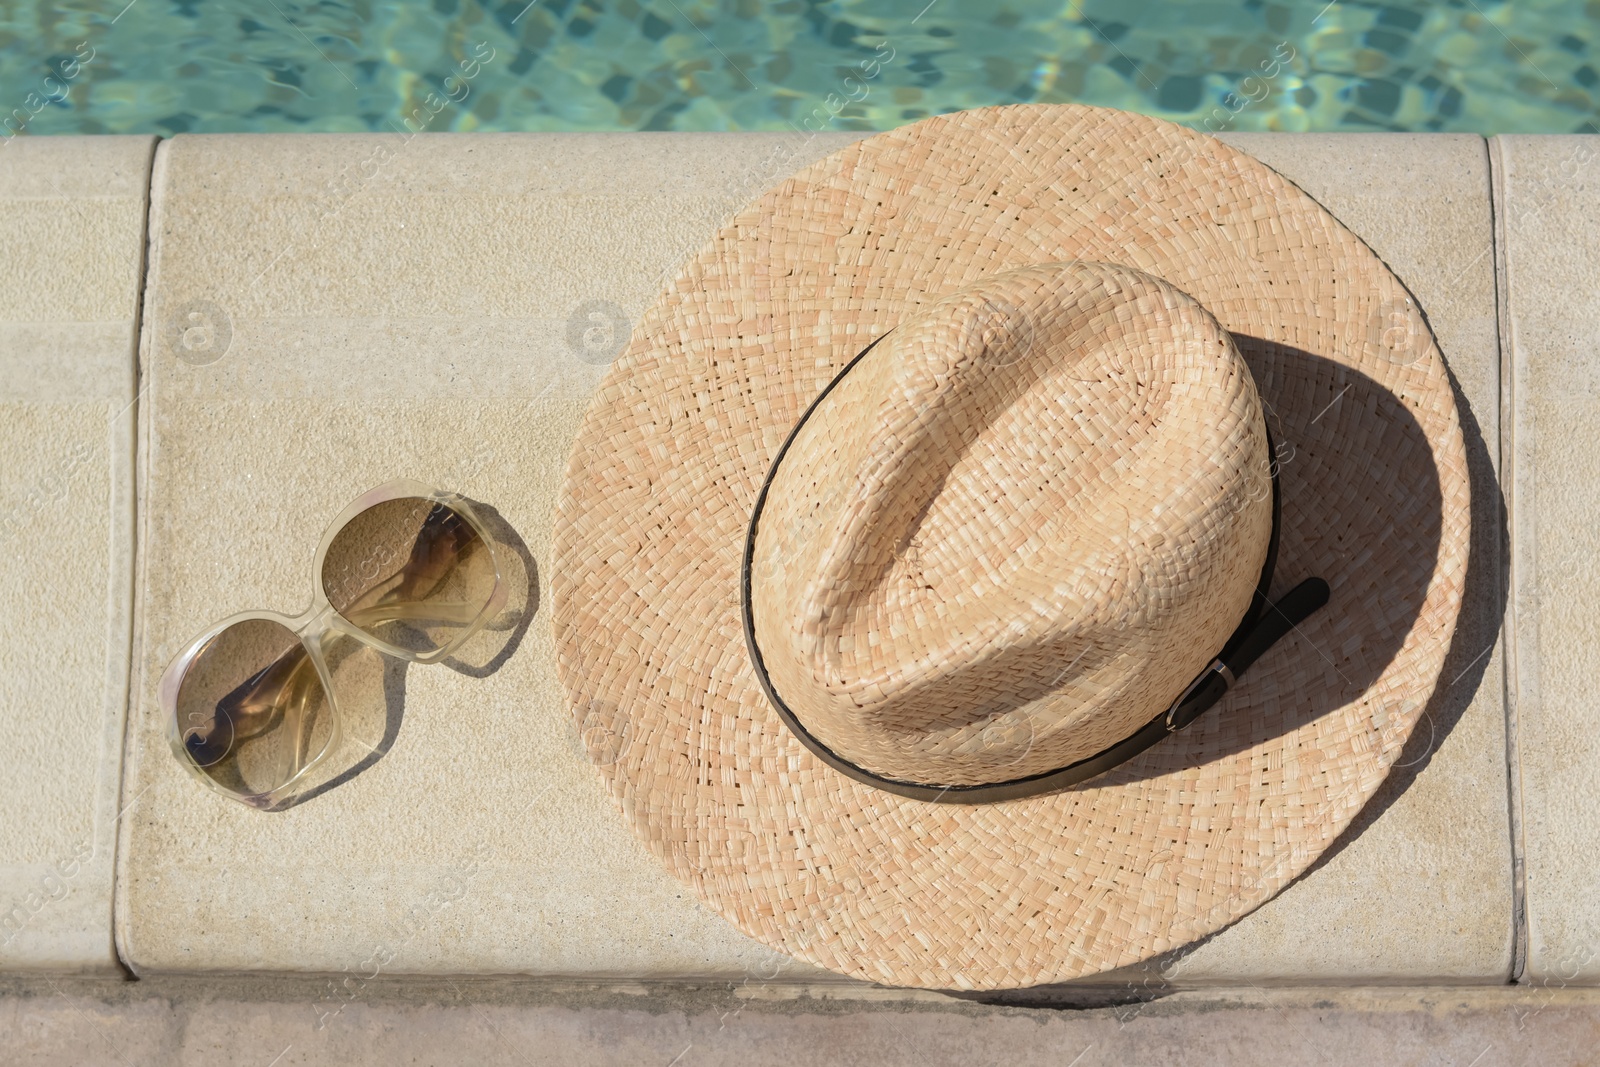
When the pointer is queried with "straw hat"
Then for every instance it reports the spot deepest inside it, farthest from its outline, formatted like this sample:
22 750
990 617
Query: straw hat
951 480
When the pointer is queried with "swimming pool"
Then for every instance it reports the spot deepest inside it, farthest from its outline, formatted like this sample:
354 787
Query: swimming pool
170 66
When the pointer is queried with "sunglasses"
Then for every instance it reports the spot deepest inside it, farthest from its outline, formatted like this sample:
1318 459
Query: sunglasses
405 570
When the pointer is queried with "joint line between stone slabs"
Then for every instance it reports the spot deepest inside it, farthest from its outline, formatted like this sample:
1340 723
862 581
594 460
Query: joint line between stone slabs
136 513
1510 684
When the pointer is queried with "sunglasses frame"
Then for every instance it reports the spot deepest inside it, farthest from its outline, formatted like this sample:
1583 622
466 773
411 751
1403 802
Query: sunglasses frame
314 625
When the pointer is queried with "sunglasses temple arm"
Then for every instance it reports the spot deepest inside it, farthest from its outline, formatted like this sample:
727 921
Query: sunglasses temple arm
259 698
459 614
1273 624
300 695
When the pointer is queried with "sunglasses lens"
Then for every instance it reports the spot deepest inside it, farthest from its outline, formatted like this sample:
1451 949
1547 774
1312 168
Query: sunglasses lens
412 573
251 711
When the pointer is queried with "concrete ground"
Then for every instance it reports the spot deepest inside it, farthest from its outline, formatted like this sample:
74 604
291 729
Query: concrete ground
284 1023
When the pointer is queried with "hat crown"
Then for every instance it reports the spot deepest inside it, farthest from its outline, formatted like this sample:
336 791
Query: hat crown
1014 530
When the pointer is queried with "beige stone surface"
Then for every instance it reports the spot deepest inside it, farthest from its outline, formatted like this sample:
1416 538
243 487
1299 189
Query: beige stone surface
359 308
1548 214
72 210
1421 885
188 1023
380 308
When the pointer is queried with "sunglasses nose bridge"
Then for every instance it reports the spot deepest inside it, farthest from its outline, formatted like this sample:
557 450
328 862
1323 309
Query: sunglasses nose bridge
315 621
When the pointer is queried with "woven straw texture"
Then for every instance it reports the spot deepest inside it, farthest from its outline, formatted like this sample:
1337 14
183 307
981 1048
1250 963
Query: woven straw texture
1171 846
1016 529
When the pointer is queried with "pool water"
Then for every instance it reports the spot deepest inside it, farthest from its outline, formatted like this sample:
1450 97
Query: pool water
172 66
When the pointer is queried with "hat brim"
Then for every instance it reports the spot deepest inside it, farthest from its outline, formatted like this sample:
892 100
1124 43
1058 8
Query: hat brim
1172 846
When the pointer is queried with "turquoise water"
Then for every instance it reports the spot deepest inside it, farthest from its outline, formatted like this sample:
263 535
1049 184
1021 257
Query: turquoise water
170 66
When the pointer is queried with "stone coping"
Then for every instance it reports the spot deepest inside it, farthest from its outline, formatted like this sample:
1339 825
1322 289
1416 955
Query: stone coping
1548 228
73 213
441 306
